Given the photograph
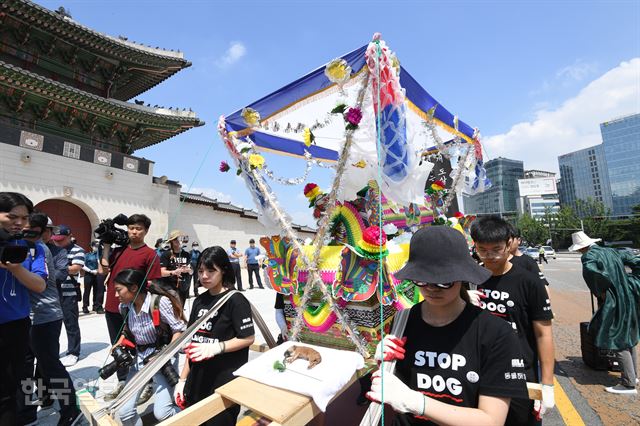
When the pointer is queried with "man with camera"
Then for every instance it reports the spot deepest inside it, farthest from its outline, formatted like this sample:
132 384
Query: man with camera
70 292
131 254
176 268
46 317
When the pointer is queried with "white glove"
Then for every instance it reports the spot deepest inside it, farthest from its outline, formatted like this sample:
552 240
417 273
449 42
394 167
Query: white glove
547 403
197 352
178 393
475 296
398 395
390 348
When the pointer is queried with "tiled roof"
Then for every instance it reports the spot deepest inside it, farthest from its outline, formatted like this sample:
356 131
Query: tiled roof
174 121
71 30
147 66
231 208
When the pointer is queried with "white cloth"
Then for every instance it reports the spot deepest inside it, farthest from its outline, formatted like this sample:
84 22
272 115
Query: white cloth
321 383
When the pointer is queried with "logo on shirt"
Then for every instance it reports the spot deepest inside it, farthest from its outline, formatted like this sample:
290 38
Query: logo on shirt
496 302
473 377
436 382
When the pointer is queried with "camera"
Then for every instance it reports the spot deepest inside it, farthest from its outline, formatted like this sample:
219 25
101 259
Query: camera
167 370
122 358
107 232
12 253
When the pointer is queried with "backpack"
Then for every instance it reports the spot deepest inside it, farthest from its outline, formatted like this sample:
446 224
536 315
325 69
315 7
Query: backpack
163 330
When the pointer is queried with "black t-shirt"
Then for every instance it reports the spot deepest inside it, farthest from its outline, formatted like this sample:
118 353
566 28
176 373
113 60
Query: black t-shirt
172 261
527 262
279 301
474 355
232 320
519 298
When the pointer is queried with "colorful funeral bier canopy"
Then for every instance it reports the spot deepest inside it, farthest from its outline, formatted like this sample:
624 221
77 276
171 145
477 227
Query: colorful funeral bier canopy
397 115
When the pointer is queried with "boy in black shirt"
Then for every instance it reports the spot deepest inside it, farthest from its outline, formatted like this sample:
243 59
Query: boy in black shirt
518 297
523 260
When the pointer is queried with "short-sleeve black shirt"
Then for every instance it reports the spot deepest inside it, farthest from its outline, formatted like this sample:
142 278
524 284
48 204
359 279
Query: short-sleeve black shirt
519 298
474 355
232 320
171 261
528 263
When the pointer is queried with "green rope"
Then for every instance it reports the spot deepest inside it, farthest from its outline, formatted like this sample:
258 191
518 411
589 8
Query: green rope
380 260
92 388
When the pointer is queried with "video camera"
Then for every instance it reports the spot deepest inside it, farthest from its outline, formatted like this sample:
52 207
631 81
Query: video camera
107 232
11 253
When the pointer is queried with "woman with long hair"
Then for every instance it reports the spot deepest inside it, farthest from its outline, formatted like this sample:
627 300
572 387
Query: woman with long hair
137 304
221 345
456 364
17 278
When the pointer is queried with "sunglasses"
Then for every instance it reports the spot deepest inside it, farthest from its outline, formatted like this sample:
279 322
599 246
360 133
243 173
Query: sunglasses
444 286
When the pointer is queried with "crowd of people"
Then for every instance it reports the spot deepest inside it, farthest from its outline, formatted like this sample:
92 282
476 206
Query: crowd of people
483 330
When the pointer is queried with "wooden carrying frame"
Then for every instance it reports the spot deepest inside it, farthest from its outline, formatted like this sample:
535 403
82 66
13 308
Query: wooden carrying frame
280 406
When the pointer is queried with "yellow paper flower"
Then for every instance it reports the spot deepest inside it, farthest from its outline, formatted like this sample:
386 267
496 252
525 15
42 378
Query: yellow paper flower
307 136
338 71
256 161
360 164
251 117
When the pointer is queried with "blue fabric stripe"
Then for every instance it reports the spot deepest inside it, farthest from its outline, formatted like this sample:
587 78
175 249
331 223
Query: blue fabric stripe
423 100
315 81
302 87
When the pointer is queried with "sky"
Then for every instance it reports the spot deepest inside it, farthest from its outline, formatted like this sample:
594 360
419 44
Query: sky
536 77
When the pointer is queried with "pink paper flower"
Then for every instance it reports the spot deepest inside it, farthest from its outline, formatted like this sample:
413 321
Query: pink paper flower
353 116
224 166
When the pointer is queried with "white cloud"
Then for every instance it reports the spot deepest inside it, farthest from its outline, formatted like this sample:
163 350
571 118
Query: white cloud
233 54
211 193
575 124
578 71
567 76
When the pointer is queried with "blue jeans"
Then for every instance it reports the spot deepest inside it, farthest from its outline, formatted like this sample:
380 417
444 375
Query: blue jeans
163 406
70 313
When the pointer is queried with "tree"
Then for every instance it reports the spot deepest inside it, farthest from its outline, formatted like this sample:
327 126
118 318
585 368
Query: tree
533 231
595 217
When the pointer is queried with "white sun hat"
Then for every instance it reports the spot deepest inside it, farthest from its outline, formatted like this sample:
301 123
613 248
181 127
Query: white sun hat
581 240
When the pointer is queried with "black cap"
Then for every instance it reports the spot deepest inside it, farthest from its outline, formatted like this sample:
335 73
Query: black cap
232 242
439 254
252 241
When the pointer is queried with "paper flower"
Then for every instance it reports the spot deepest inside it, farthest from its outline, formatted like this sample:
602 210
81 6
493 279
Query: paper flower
256 161
279 366
437 185
338 71
458 215
250 116
373 244
353 116
224 166
308 136
360 164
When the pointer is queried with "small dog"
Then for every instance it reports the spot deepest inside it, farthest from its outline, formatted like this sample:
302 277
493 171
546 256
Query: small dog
302 352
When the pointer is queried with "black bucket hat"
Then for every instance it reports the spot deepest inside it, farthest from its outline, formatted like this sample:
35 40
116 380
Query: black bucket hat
439 254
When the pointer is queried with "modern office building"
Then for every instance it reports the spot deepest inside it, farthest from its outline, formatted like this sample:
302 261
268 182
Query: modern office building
501 198
583 176
621 142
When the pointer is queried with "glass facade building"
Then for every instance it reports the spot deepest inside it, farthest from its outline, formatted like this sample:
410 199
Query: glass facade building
621 141
502 197
584 175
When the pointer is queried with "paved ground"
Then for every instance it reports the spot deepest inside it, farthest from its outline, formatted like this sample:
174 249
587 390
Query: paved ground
584 386
585 402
